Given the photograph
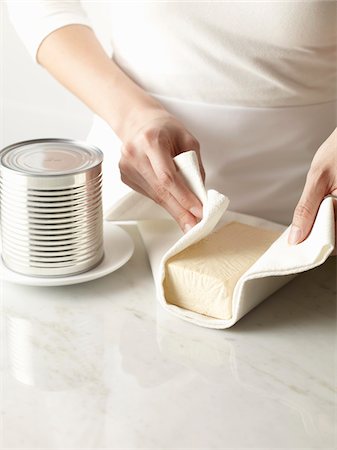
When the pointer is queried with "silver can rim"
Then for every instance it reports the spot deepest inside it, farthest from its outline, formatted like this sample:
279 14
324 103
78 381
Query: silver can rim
76 142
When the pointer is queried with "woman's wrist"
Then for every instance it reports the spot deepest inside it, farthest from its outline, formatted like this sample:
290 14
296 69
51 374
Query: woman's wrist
74 56
137 116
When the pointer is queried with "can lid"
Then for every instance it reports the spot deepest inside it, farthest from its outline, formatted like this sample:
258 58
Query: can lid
50 157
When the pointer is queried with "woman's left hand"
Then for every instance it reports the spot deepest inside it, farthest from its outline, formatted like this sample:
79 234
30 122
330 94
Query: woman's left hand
321 181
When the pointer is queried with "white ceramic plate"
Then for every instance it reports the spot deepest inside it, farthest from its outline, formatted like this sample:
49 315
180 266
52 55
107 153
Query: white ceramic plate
118 249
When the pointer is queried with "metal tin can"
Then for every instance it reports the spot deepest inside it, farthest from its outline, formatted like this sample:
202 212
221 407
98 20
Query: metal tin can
51 207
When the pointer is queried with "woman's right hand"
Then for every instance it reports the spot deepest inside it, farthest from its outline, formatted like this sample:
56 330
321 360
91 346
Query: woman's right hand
146 165
151 136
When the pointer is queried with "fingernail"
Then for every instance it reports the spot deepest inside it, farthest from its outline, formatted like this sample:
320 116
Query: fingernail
197 212
295 235
187 227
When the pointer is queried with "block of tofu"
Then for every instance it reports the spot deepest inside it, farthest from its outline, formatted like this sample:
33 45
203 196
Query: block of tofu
202 277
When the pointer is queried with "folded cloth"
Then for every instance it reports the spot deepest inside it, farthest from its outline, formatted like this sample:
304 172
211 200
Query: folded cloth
277 266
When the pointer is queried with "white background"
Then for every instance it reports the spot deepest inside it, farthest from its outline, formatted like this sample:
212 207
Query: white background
33 105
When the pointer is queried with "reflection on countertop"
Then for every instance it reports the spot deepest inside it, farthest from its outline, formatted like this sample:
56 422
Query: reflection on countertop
100 365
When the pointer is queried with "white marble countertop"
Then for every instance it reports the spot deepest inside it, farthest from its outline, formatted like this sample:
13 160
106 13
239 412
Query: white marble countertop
100 365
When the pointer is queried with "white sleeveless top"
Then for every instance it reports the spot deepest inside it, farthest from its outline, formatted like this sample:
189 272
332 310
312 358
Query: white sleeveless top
254 81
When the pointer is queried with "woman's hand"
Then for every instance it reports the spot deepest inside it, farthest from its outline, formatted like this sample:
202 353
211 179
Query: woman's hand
151 136
321 181
152 140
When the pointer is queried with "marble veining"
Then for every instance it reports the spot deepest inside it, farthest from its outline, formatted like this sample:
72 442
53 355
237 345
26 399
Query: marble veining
101 365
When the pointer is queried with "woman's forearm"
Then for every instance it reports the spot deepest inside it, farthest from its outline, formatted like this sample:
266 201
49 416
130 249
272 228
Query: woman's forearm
151 136
74 56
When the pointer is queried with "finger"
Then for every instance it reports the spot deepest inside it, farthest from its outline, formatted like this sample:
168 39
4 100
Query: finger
184 218
307 207
138 173
169 179
163 197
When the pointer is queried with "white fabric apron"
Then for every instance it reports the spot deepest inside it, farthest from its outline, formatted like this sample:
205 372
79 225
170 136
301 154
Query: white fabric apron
258 157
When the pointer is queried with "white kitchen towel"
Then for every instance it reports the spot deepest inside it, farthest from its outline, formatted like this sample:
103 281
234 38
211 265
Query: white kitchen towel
278 265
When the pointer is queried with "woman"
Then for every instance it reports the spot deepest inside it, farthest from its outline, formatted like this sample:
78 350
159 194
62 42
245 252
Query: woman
251 86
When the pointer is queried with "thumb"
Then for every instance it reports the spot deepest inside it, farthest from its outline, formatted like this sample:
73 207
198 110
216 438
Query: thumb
306 209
